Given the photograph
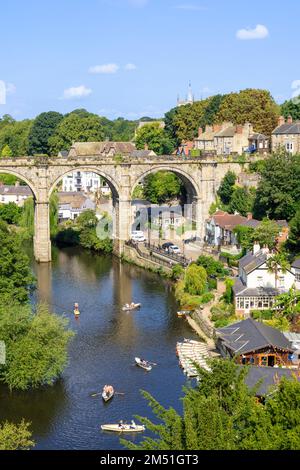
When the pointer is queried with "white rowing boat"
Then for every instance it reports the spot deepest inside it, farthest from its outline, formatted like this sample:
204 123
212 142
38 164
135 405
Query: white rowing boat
143 364
122 428
128 308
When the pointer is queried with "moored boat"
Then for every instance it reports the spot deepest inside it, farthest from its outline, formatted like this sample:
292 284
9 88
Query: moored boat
122 428
143 364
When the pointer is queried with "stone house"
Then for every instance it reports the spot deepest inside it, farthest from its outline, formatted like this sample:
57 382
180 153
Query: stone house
205 140
287 135
233 139
256 287
259 143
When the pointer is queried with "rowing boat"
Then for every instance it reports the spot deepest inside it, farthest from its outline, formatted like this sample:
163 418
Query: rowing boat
107 396
143 364
122 428
128 308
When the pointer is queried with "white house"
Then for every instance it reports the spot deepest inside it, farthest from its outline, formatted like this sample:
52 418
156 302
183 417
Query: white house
296 271
256 287
17 194
83 181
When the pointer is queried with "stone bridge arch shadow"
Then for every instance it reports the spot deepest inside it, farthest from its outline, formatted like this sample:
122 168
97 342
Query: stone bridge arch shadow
191 203
115 191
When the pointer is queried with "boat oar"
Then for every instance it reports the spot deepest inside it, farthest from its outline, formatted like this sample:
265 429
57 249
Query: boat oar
100 393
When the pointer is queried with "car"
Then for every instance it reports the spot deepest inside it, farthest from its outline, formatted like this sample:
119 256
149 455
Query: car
174 249
166 246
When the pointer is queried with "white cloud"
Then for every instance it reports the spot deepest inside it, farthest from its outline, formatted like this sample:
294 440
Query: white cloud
76 92
130 67
104 69
190 7
259 32
5 90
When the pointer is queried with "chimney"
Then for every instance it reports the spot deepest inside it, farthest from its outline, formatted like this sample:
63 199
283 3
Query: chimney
281 121
256 248
17 184
217 127
146 147
239 129
200 131
290 120
265 250
249 216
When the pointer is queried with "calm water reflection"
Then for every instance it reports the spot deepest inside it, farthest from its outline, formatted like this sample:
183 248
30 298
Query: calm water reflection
103 350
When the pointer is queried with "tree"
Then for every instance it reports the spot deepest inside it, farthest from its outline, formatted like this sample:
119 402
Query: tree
6 152
27 219
244 236
293 242
16 279
226 188
291 108
195 280
162 187
213 267
36 346
289 304
250 105
154 136
266 233
222 413
277 263
10 213
15 436
15 135
278 192
241 201
78 126
42 129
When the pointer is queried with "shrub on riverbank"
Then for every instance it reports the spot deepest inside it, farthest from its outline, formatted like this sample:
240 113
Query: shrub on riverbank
15 436
36 346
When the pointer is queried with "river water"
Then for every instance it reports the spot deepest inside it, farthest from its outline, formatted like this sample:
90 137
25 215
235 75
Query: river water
107 340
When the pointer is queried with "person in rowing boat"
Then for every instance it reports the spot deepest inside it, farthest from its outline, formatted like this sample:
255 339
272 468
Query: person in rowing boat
121 424
144 362
133 425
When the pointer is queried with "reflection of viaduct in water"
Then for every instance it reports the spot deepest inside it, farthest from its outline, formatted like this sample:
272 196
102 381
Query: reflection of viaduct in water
123 173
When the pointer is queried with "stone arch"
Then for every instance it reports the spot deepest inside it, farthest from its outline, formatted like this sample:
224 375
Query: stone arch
21 177
114 186
188 181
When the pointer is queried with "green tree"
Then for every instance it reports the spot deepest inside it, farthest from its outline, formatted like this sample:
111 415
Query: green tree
195 280
289 304
36 346
293 242
250 105
6 152
266 233
226 188
222 413
278 193
15 135
10 213
241 201
15 274
213 267
78 126
42 129
162 187
291 108
155 138
27 219
244 236
15 436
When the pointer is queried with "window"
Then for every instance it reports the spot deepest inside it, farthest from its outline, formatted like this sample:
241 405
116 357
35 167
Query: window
297 277
260 281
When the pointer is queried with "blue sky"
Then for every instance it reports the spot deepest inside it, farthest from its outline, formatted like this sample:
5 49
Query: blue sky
132 57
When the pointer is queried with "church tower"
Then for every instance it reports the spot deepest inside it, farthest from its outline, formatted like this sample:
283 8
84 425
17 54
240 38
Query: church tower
189 99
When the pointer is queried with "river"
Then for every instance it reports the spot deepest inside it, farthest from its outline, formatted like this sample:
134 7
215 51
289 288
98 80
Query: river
107 340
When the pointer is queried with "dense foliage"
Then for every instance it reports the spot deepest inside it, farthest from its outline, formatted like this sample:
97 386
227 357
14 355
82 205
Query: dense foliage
278 193
42 129
15 436
162 187
222 413
155 138
36 346
15 275
195 280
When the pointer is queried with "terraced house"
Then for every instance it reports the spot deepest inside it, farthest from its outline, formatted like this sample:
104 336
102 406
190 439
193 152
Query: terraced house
287 135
